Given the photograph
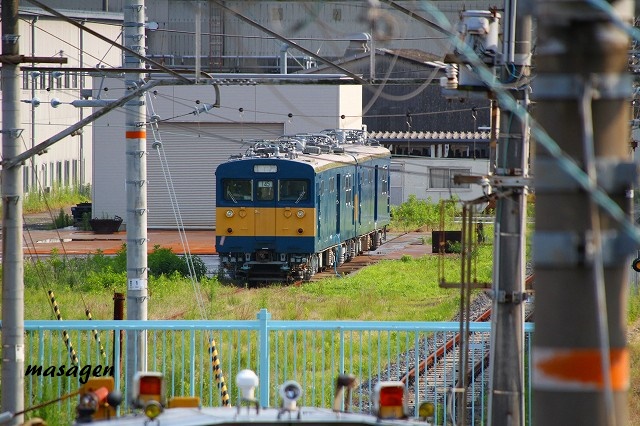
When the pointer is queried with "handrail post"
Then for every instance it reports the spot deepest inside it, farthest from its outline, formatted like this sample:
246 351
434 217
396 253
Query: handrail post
264 364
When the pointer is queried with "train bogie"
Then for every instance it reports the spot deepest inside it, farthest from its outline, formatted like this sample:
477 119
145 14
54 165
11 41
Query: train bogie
284 216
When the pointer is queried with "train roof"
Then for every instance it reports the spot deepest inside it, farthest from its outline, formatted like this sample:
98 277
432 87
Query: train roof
273 416
320 151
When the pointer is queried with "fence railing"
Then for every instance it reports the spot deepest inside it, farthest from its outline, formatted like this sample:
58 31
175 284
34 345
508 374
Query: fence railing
311 352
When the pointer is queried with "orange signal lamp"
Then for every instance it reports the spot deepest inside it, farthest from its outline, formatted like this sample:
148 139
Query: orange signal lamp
148 386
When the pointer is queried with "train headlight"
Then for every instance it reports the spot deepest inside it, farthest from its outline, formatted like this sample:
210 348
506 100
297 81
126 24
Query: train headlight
153 409
300 214
300 231
229 213
426 410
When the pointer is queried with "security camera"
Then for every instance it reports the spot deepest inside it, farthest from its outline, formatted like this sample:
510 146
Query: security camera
290 392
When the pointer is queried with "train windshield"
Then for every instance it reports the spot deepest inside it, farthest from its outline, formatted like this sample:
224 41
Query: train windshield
265 190
237 190
295 190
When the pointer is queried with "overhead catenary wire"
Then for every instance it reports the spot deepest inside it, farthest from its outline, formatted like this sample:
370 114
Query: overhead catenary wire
158 146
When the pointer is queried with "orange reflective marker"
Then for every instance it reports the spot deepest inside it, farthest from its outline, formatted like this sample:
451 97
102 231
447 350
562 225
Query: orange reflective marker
579 369
136 134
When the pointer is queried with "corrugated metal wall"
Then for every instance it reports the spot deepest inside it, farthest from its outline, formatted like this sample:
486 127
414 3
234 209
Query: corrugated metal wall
192 154
196 143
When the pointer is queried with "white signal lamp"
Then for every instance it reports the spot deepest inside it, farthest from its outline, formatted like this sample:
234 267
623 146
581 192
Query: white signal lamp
247 381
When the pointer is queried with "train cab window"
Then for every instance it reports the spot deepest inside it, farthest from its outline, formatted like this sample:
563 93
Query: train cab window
265 190
237 190
295 190
332 184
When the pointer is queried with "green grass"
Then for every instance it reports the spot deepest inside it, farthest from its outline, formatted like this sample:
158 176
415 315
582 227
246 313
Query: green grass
405 289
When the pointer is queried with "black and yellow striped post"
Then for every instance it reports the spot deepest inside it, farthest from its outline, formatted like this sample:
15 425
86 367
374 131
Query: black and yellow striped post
94 332
65 335
217 371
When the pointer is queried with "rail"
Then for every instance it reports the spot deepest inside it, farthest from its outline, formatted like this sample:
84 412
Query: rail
310 352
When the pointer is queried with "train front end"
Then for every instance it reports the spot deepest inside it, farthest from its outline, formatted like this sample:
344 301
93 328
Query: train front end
265 219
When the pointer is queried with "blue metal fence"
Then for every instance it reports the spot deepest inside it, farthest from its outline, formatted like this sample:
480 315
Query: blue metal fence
311 352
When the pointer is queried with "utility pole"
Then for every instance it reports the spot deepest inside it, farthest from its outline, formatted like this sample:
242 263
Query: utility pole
12 266
136 189
506 398
582 92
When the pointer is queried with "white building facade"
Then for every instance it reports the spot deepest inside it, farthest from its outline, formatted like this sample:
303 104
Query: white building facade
48 89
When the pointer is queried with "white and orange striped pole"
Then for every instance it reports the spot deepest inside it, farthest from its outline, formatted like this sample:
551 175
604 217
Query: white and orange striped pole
582 92
136 188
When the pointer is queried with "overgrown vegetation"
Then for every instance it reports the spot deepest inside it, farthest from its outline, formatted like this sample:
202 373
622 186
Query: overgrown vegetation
55 199
62 220
97 273
415 213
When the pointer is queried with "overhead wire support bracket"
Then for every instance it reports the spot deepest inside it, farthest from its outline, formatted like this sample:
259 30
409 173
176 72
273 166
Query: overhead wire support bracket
13 162
106 39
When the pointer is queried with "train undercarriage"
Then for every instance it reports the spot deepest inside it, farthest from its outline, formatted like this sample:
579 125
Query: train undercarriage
268 266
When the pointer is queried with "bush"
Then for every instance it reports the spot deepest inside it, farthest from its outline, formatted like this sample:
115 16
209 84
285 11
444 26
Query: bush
414 214
163 261
98 271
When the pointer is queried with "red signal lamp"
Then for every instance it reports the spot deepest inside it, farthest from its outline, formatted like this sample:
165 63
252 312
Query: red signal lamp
390 400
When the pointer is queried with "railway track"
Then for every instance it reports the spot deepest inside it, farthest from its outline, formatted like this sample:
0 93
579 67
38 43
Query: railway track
410 243
437 374
438 367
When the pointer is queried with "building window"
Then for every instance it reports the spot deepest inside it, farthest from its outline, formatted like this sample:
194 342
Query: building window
25 179
26 80
74 172
67 173
442 178
337 14
45 176
74 80
277 14
58 173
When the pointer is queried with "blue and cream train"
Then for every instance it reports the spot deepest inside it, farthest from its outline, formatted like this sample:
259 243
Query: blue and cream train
291 207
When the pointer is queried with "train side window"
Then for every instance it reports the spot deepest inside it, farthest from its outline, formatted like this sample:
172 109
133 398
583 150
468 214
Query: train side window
237 190
332 184
294 190
265 190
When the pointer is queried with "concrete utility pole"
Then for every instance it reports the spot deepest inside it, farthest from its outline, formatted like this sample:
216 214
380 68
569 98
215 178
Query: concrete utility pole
136 186
12 271
580 360
506 399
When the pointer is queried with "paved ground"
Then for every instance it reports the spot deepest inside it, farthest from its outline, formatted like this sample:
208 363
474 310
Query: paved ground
38 240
